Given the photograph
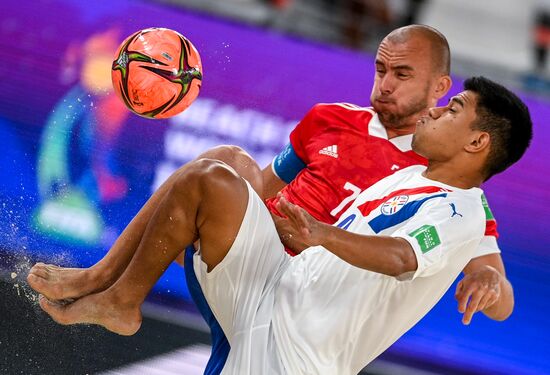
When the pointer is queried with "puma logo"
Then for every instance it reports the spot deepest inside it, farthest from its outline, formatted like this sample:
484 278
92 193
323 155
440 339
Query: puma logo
454 213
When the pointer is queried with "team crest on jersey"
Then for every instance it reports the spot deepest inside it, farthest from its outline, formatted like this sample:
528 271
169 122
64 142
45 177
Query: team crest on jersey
394 204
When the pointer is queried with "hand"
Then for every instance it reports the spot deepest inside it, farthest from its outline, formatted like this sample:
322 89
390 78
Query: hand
287 234
478 291
302 227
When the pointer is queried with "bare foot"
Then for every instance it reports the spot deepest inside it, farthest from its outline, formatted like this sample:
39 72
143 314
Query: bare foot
62 284
97 309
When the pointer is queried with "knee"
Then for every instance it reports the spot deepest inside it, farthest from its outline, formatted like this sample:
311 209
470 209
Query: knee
208 175
225 153
241 162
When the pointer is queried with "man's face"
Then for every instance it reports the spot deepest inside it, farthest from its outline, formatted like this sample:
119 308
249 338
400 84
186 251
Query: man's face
403 81
445 131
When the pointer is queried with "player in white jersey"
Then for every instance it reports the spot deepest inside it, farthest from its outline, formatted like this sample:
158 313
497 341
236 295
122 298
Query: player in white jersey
362 284
441 223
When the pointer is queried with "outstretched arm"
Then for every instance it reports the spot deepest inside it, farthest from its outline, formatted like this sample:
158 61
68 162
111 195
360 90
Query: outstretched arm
485 288
383 254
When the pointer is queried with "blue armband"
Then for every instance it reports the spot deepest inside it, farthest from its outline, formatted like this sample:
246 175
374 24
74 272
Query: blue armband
287 164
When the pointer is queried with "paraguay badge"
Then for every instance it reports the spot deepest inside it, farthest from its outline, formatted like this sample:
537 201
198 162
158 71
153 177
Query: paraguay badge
394 204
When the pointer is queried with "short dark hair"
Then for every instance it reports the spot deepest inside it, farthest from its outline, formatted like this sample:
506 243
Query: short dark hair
507 120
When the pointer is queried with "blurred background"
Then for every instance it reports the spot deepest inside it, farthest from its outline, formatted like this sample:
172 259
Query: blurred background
76 165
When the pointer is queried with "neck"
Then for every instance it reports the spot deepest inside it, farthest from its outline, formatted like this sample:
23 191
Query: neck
448 174
405 126
406 130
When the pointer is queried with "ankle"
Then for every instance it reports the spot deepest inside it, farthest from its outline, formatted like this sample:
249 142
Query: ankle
120 298
98 278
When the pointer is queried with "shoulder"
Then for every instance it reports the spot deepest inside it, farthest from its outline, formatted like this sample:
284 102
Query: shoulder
466 205
470 197
342 109
339 115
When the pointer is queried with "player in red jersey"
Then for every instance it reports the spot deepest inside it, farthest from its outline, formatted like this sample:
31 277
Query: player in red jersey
337 151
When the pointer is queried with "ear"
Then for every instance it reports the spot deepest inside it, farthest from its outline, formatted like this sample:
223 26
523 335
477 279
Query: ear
479 142
442 86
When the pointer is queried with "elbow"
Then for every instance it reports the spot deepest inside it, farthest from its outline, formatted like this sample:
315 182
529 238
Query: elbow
503 308
503 317
500 316
501 311
403 260
403 264
408 262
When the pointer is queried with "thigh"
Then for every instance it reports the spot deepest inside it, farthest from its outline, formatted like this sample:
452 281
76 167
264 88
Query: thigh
238 288
223 199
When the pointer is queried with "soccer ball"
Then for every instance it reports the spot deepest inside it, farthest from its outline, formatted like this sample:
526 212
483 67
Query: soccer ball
157 73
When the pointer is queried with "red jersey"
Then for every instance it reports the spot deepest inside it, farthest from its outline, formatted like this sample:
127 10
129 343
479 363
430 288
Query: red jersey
344 149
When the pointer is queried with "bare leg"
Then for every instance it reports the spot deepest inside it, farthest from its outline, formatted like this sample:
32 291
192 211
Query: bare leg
59 283
208 201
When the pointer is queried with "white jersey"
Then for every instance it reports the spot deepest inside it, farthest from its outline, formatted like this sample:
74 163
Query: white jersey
333 318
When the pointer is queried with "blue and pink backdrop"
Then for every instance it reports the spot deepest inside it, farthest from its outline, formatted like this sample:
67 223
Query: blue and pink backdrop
75 165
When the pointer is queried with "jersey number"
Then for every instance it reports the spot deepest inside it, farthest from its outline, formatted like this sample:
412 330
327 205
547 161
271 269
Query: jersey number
354 193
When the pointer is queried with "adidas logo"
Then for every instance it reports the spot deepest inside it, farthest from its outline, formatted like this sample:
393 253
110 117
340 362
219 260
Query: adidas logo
330 151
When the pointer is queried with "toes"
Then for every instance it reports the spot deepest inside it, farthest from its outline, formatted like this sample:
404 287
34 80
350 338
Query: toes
52 267
44 282
41 285
35 281
36 267
39 271
56 311
39 265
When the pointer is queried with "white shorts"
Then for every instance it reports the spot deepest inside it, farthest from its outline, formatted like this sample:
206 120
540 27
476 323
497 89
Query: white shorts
241 289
